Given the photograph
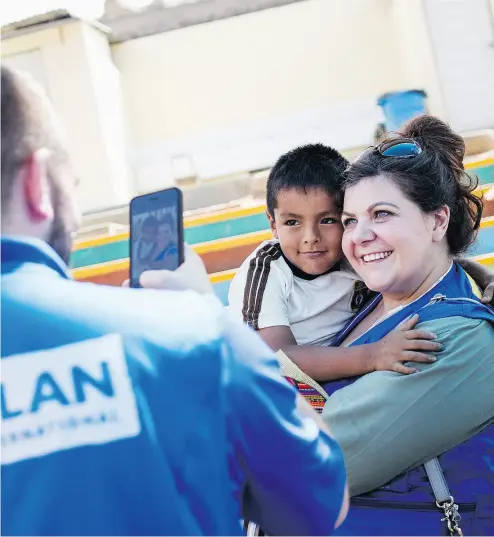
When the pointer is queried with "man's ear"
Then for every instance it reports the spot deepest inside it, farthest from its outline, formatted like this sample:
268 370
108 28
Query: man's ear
36 187
272 224
440 223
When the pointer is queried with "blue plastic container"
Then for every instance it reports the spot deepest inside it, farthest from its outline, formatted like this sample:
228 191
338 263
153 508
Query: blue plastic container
401 106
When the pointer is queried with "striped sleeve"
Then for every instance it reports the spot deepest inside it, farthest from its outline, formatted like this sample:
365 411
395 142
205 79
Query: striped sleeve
258 291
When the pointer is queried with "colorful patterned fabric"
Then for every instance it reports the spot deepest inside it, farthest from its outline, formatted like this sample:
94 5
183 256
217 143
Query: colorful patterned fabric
315 399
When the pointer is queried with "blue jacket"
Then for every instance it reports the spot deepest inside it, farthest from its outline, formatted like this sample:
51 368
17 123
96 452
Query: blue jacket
136 412
406 505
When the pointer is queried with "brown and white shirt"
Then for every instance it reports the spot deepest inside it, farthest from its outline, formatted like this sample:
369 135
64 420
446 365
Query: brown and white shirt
269 291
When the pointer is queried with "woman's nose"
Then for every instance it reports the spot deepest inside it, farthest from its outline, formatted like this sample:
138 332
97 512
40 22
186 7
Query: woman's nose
362 233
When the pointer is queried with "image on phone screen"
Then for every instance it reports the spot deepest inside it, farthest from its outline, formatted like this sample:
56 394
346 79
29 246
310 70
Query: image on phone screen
156 241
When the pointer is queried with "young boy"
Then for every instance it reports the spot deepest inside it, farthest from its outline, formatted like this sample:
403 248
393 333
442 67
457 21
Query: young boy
299 292
146 244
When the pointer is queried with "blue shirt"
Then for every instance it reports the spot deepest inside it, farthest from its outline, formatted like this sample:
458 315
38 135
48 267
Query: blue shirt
131 411
389 424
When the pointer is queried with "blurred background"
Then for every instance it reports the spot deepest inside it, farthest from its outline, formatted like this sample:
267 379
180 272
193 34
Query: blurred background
207 94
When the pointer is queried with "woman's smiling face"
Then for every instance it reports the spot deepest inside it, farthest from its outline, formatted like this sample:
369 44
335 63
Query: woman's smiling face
164 235
388 240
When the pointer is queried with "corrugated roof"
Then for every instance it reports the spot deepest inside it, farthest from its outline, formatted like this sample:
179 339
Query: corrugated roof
24 13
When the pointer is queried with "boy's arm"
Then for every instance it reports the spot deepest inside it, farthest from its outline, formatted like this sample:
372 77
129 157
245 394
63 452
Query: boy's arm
320 363
483 277
278 337
265 309
329 363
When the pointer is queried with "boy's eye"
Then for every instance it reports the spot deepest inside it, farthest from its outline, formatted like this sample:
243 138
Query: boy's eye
347 222
329 220
291 223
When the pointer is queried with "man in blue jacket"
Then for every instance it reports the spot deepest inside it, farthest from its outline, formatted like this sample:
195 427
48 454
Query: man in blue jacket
132 411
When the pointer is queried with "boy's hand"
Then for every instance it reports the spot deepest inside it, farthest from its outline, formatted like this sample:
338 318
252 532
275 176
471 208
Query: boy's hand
402 345
483 277
488 296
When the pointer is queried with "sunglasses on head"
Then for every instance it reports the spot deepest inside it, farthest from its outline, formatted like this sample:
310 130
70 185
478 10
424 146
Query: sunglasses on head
398 148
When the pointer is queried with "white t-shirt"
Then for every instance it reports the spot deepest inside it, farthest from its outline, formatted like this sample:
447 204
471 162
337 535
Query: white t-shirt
265 292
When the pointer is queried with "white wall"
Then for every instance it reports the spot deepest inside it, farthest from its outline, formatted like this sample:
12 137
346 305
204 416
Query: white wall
32 62
73 62
242 90
413 42
462 36
264 64
229 95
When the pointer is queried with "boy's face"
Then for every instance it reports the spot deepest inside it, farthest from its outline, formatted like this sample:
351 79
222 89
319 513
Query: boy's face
308 226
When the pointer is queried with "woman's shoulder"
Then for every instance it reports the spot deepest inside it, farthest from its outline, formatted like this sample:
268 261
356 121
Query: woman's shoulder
457 326
463 335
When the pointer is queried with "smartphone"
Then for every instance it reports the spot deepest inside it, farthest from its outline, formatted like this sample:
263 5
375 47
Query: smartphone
156 232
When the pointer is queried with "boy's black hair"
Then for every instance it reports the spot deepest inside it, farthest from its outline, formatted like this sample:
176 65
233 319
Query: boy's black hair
307 167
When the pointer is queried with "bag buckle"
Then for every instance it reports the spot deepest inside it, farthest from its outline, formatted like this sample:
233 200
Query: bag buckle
452 516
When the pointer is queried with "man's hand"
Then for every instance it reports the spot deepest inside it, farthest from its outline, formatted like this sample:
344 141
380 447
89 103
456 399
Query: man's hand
401 345
191 275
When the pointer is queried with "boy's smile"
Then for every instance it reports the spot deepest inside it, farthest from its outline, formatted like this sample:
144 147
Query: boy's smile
308 226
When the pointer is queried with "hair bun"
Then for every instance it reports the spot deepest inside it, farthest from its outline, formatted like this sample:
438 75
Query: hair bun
436 136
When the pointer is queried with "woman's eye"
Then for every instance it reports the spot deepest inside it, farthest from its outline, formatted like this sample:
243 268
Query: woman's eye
349 222
329 220
291 222
382 214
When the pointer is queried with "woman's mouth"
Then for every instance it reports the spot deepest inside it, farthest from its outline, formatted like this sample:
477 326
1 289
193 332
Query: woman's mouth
377 256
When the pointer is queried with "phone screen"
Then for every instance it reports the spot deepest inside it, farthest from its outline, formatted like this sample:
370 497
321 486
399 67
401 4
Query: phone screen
156 232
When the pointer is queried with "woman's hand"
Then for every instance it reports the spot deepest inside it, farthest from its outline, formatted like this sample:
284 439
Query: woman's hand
402 345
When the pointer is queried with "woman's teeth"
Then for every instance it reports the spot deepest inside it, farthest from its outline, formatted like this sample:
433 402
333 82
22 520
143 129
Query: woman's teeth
374 257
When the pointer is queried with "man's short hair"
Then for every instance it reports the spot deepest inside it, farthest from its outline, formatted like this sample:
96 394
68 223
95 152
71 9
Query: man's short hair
28 124
313 166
